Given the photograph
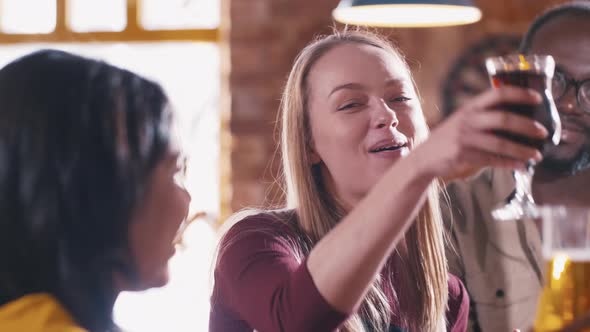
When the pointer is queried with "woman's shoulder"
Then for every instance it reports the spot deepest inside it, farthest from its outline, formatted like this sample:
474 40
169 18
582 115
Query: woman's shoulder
258 236
36 312
261 229
281 221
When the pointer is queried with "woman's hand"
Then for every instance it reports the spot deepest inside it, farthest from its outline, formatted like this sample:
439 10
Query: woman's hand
466 141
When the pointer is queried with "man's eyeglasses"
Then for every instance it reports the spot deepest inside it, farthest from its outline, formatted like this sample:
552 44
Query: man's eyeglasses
562 83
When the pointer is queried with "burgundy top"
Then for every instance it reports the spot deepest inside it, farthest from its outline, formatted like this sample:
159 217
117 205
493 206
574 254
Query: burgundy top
261 284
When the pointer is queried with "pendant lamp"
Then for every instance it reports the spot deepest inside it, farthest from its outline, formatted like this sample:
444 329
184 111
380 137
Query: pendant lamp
406 13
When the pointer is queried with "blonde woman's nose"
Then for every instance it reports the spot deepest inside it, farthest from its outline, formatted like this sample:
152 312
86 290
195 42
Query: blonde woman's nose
385 117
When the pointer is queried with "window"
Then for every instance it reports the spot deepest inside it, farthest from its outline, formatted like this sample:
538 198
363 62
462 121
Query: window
104 15
184 58
18 18
179 14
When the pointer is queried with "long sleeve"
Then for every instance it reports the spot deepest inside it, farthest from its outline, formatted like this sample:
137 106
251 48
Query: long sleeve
261 284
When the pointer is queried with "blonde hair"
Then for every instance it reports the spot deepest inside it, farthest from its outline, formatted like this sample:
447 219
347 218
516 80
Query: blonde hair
318 211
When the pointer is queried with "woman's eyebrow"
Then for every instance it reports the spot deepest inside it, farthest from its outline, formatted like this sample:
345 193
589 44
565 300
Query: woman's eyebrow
394 82
349 86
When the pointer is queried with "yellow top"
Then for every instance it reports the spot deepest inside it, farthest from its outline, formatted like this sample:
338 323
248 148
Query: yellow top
35 313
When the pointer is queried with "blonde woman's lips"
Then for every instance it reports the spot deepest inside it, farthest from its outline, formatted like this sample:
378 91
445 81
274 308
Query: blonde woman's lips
392 153
388 144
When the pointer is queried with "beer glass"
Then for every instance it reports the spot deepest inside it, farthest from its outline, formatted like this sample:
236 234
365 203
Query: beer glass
534 72
566 249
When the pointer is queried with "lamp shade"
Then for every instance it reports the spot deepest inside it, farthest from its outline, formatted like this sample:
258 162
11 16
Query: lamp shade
406 13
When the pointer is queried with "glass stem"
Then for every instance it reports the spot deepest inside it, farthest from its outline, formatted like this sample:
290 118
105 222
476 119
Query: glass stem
524 180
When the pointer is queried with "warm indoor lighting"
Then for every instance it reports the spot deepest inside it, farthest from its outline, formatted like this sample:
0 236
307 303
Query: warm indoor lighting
406 13
559 263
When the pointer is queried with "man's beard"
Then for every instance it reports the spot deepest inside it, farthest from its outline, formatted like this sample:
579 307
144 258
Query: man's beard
570 166
581 159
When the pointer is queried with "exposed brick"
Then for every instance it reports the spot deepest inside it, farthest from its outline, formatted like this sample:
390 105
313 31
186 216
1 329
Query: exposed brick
264 38
245 12
255 104
247 194
270 57
252 160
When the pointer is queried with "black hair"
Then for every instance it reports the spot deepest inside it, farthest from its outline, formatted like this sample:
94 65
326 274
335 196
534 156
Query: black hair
579 8
79 139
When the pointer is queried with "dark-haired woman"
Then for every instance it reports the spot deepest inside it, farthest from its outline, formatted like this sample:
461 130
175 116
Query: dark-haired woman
89 202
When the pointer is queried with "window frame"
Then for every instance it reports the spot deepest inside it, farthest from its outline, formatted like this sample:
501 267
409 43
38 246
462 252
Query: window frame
133 32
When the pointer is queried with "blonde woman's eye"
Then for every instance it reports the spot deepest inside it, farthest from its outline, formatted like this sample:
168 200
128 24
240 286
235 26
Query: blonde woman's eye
401 99
349 106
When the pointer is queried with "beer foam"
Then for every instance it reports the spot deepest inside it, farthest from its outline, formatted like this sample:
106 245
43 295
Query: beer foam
574 255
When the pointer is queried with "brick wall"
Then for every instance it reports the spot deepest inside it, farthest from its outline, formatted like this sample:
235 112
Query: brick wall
265 35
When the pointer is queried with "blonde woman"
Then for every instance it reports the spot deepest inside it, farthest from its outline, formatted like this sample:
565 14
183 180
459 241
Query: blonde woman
360 247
